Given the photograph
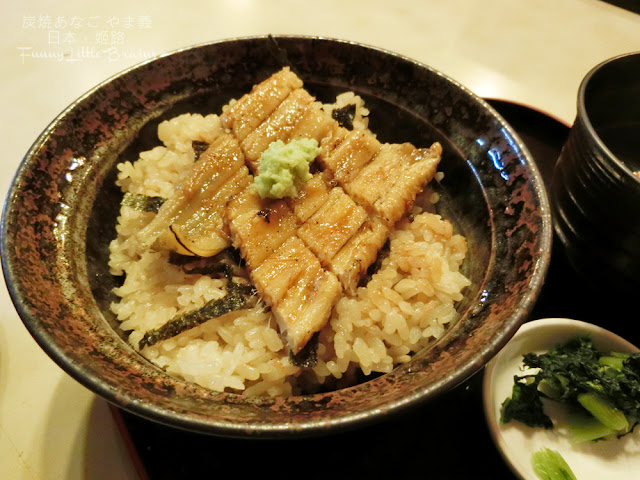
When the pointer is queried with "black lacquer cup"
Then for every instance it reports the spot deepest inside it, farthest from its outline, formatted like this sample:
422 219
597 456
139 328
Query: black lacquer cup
595 192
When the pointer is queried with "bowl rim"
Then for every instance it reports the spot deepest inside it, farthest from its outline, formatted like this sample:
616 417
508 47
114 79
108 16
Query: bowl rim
314 426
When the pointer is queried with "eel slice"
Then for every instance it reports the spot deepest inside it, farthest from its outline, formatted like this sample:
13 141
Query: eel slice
286 273
311 196
216 165
348 157
333 224
259 226
277 273
303 252
306 305
350 264
278 126
254 107
315 123
204 231
380 175
398 200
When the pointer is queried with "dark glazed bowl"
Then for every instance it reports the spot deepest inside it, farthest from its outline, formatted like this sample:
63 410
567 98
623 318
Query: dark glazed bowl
61 210
595 194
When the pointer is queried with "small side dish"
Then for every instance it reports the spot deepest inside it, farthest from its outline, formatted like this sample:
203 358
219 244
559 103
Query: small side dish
550 344
601 390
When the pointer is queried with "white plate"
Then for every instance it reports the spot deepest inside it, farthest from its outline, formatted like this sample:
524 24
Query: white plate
609 460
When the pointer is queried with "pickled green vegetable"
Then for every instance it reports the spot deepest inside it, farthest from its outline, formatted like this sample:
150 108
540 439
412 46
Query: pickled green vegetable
605 386
603 411
582 428
550 465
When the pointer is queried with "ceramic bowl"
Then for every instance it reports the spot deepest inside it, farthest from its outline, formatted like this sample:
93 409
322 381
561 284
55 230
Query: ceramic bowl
595 193
612 459
61 211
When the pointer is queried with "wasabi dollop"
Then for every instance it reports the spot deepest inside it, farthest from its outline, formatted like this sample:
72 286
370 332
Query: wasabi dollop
284 167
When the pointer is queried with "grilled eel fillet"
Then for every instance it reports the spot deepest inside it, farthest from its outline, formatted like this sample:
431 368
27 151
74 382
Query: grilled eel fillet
301 252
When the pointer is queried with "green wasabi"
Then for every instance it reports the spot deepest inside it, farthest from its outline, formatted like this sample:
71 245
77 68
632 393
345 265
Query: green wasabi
284 167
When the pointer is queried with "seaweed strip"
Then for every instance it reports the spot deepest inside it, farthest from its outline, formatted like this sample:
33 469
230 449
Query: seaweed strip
375 266
144 203
199 148
227 263
236 298
212 270
308 356
181 260
345 115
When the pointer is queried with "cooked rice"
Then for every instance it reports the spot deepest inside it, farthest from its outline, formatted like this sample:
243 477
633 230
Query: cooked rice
407 304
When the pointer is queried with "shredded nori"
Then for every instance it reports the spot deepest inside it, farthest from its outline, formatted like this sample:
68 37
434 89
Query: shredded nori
264 213
308 356
237 297
212 270
199 148
144 203
235 257
225 264
179 259
345 115
375 266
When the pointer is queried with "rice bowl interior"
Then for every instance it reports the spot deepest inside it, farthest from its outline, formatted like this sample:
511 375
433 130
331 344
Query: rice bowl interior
406 305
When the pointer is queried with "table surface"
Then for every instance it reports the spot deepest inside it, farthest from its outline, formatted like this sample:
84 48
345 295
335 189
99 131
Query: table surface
530 53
